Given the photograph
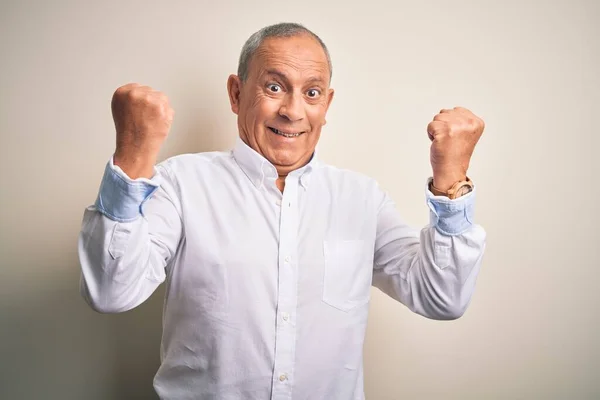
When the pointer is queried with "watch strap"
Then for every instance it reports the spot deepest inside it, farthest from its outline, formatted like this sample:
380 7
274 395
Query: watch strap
455 191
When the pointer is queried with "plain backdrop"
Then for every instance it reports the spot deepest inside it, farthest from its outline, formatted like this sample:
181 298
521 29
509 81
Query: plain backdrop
529 69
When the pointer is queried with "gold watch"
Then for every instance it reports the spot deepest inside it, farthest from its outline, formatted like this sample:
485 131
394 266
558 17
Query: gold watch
460 188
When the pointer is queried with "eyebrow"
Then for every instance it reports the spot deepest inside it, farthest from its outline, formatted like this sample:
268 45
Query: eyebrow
286 80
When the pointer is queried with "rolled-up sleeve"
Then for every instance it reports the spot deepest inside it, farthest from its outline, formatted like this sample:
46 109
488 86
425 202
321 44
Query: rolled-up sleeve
451 217
121 198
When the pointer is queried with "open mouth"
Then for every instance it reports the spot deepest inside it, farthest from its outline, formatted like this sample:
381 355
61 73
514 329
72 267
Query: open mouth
285 134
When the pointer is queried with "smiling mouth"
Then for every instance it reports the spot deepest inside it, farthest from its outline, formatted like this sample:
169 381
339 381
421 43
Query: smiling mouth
285 134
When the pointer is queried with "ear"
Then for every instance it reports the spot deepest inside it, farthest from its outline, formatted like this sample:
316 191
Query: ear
330 93
234 86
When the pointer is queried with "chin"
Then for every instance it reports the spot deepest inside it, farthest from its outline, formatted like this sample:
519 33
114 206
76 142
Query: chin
284 160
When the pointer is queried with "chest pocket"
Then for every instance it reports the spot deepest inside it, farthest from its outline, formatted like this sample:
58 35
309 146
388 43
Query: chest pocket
348 273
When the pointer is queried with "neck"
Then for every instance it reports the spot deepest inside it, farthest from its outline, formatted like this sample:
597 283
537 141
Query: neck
280 182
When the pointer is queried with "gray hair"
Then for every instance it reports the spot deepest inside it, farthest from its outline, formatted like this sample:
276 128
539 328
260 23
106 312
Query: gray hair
284 29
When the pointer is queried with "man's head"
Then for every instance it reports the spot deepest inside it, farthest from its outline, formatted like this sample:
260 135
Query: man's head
281 94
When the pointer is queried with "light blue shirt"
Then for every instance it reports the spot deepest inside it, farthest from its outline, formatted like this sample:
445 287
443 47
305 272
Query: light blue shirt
268 292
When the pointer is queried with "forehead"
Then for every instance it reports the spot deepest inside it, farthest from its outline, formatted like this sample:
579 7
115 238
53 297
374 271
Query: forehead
297 55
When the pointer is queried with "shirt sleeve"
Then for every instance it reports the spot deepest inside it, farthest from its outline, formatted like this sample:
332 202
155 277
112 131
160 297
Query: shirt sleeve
432 271
450 217
128 238
121 198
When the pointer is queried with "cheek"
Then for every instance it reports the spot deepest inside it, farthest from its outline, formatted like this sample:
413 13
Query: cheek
256 100
264 108
316 114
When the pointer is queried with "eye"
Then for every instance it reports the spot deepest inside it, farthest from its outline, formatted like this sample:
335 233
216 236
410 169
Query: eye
313 93
273 87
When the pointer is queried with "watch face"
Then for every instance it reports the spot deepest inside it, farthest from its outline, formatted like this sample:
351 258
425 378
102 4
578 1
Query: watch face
464 190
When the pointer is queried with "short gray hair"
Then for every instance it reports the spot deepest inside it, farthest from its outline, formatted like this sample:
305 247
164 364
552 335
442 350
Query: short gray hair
284 29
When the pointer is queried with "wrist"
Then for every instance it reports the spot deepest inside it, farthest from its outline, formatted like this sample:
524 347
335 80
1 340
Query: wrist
135 166
458 189
445 181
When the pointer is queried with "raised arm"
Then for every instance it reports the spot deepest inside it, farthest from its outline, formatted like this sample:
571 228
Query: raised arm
433 272
134 228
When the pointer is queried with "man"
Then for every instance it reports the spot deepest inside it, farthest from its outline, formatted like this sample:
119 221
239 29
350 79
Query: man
267 252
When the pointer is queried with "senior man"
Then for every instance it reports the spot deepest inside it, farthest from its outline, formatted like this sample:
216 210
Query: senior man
267 252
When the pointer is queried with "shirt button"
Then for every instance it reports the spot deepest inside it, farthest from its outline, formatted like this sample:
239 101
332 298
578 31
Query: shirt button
285 316
287 259
282 377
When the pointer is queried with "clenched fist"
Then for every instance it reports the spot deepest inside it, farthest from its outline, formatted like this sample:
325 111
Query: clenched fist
142 118
454 134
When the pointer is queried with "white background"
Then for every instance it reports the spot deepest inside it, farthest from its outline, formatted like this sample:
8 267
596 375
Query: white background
529 69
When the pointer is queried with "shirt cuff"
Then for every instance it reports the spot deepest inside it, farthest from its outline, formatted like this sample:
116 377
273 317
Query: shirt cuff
121 198
450 217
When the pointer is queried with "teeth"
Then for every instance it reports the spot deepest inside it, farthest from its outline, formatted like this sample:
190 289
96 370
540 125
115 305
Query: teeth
285 134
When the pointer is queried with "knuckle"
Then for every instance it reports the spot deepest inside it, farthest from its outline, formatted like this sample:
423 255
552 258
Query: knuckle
480 121
134 94
128 88
121 91
151 100
453 130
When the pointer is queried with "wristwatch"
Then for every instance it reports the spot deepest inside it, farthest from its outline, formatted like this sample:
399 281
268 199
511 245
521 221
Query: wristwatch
460 188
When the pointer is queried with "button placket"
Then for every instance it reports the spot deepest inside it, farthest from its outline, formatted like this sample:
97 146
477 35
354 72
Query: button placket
285 337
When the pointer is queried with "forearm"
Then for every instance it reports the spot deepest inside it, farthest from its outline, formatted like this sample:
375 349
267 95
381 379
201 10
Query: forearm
134 164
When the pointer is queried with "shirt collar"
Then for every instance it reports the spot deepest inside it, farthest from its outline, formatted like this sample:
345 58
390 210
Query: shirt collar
258 169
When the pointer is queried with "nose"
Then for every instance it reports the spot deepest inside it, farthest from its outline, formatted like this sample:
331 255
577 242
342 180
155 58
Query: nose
292 107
